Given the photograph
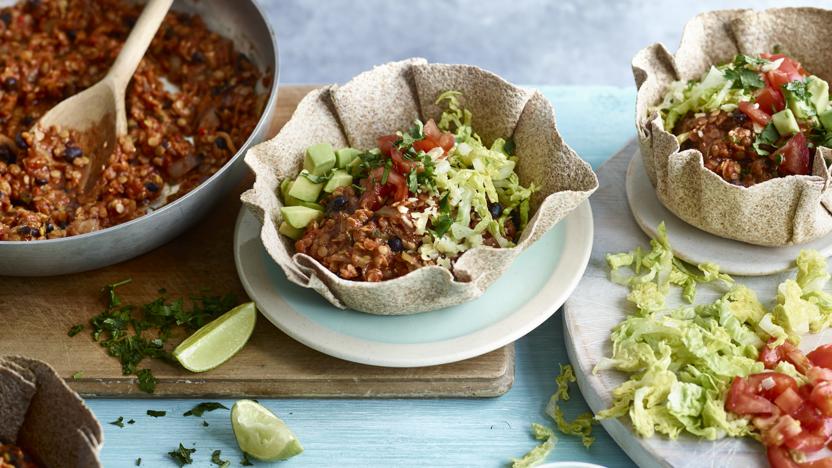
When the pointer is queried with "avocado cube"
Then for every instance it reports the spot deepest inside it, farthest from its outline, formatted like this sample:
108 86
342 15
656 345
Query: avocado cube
799 107
344 157
287 230
826 119
299 217
319 159
785 123
340 178
305 190
314 206
819 90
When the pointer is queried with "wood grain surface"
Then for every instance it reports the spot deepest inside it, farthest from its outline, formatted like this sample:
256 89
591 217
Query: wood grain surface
36 313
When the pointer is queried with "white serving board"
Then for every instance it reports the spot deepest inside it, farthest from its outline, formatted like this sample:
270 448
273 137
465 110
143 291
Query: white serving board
597 305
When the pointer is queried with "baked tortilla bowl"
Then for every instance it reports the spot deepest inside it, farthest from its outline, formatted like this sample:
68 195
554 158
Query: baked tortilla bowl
388 98
44 417
778 212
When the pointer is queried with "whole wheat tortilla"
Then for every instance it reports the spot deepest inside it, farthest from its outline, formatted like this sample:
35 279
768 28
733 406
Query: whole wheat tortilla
42 415
389 98
781 211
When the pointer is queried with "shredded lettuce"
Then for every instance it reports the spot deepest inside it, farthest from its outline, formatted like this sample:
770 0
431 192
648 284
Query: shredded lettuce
681 360
539 453
472 178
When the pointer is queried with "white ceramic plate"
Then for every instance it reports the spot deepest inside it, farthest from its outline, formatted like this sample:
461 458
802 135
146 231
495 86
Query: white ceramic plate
697 246
533 289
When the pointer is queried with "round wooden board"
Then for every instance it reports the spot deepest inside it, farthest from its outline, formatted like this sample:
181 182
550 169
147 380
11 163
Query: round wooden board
597 305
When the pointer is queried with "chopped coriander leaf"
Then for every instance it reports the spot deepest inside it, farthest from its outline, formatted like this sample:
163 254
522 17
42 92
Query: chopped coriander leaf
509 146
182 455
741 60
387 165
201 408
314 178
132 421
147 383
441 225
768 138
413 181
78 375
156 413
205 423
139 461
245 461
76 329
744 78
215 459
118 422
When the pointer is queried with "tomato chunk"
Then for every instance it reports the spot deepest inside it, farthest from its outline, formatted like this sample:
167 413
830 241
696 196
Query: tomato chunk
789 401
743 400
771 100
754 113
387 143
821 397
779 458
822 356
795 155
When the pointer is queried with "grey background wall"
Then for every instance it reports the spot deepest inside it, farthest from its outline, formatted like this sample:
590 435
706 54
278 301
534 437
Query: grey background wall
525 41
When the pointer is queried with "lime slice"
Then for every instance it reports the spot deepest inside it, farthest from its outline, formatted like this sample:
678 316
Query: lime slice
261 434
218 340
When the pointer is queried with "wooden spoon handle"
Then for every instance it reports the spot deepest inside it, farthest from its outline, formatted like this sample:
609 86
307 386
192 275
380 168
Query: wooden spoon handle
137 42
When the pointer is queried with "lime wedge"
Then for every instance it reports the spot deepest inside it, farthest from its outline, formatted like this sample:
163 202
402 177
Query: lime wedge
218 340
261 434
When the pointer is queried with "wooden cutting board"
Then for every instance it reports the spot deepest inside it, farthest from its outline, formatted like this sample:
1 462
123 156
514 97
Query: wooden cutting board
36 313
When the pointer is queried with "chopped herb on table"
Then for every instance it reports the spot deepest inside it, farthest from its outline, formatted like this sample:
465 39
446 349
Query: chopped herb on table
201 408
156 413
215 459
204 423
76 329
118 422
133 332
182 455
132 421
139 461
77 375
245 461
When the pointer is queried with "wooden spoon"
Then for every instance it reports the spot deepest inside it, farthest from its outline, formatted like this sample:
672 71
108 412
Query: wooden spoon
99 112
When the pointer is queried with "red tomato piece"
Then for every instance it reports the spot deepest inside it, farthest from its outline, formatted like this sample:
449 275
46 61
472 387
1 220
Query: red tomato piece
777 79
404 165
754 113
796 156
780 458
771 100
447 141
425 145
822 356
789 65
770 385
789 401
820 463
785 428
817 374
431 130
742 399
821 397
387 143
806 442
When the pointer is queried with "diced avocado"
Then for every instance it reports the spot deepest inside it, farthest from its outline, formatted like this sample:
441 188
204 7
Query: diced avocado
798 106
354 167
785 123
340 178
305 190
819 90
300 216
826 119
319 159
285 187
344 156
287 230
312 205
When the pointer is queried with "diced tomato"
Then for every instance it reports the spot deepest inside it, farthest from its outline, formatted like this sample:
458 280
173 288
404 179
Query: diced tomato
404 165
789 65
771 356
789 401
795 156
820 463
811 420
818 374
770 384
780 458
821 397
425 145
387 143
771 100
754 113
431 130
785 428
447 141
806 442
743 400
375 192
821 356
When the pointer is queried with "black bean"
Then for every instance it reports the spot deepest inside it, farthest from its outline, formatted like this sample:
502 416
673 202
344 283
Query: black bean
71 35
198 57
27 231
7 155
73 152
40 181
49 227
6 17
221 143
515 218
337 204
740 117
27 121
10 83
495 209
151 187
20 142
395 244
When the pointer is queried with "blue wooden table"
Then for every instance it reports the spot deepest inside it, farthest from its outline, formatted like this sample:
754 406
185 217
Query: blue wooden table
596 122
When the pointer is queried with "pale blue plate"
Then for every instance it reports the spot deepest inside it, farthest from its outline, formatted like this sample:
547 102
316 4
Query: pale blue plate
532 290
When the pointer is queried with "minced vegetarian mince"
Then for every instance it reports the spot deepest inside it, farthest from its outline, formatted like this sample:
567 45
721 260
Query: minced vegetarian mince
53 49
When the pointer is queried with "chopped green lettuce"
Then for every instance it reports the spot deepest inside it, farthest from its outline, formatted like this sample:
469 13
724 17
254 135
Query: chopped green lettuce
471 179
681 360
539 453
